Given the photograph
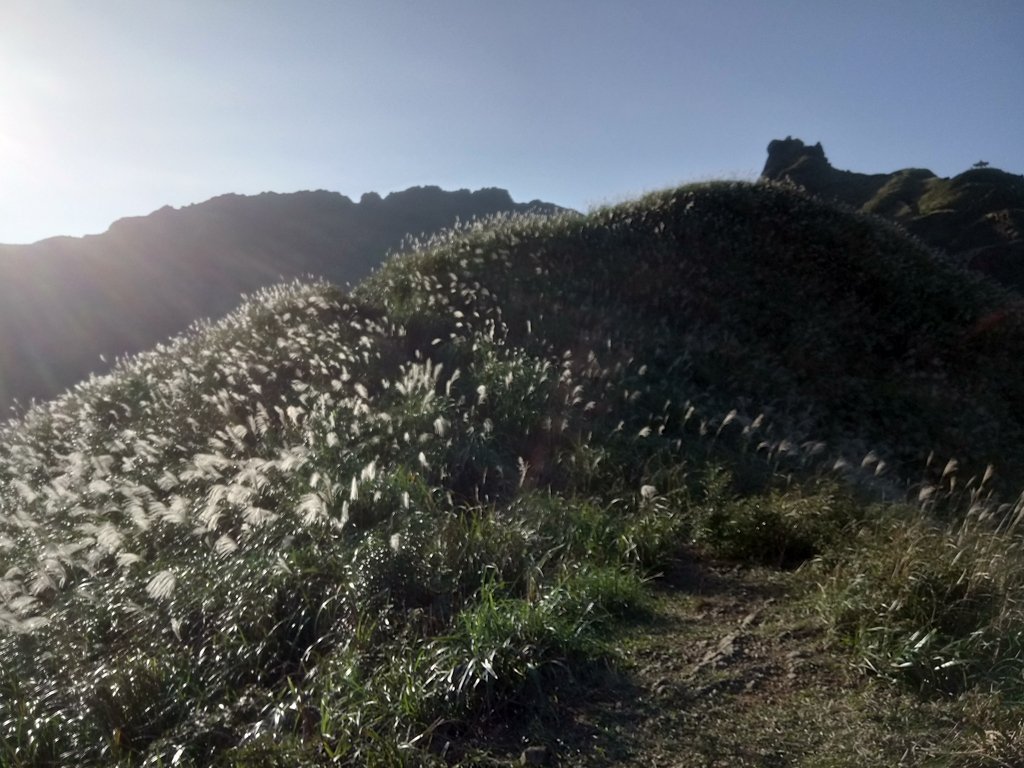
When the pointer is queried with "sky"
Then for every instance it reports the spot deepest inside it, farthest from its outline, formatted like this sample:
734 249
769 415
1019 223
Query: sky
113 108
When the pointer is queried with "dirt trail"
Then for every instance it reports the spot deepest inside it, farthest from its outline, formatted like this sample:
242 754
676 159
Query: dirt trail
735 669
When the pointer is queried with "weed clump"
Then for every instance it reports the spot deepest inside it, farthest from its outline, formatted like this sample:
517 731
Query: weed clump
933 607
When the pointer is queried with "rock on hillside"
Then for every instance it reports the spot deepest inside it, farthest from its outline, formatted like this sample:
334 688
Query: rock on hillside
978 215
65 302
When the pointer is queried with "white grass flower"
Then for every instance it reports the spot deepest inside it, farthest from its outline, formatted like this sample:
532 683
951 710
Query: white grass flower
175 513
237 432
137 512
311 508
12 623
101 465
257 516
9 589
99 487
524 470
167 481
109 538
208 465
239 495
989 473
32 623
814 447
9 621
25 491
292 459
22 604
43 583
161 586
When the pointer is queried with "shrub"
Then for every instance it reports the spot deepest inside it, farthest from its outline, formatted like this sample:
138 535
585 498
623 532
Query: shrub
781 528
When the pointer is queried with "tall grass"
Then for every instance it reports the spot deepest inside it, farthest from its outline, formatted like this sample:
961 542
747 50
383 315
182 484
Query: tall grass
936 607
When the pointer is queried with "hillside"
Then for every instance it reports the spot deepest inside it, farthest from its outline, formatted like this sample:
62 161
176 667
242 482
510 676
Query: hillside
725 475
65 302
976 216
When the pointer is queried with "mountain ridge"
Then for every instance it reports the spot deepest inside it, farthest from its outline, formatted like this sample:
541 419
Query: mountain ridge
977 216
497 195
67 301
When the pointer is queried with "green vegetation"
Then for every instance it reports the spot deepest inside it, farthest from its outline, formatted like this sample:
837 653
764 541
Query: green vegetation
936 608
899 197
975 217
377 528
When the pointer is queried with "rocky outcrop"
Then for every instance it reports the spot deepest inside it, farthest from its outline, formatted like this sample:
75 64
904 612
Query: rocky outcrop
786 155
976 216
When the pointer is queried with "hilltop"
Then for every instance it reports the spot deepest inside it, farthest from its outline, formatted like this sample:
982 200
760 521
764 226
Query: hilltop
724 475
66 302
976 216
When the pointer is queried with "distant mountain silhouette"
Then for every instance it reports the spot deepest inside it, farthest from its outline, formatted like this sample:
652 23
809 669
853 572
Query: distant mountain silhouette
65 302
977 216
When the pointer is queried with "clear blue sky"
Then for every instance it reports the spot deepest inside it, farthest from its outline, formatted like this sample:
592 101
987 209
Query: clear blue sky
111 108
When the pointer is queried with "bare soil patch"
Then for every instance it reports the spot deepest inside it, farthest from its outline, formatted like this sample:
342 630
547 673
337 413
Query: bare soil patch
733 668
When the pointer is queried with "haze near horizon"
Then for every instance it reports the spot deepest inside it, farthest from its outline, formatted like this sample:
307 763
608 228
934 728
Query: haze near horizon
115 108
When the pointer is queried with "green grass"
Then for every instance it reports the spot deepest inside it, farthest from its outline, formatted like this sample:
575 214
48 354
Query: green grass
932 607
984 189
899 197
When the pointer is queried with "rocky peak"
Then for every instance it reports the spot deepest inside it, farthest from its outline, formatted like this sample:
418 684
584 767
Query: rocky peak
976 216
785 153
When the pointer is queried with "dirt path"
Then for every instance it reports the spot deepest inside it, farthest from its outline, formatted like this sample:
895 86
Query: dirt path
734 669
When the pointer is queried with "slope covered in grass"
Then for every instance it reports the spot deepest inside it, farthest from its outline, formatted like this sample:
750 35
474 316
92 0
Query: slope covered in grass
360 528
728 298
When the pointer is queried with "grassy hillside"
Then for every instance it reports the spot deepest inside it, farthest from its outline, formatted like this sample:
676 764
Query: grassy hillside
381 528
